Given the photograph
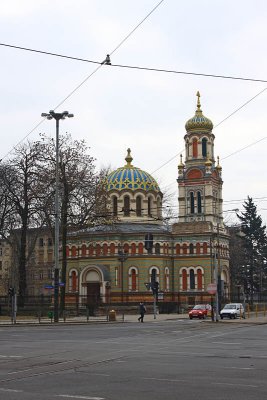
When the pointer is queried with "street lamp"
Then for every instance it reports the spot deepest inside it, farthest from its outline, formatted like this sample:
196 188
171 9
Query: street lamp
57 116
122 256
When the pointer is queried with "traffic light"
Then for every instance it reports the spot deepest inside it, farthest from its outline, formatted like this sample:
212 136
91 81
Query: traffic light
11 291
155 288
149 242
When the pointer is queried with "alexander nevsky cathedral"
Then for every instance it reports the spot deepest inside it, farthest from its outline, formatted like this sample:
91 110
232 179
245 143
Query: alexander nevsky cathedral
115 263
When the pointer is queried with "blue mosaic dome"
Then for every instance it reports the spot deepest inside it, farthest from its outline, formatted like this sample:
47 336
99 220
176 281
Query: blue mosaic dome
199 122
130 177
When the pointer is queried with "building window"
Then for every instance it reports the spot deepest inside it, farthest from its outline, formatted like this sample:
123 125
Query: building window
199 279
41 242
73 251
204 147
91 250
195 152
199 205
184 248
198 248
191 248
178 249
133 279
115 205
98 250
167 279
133 248
153 276
157 248
126 206
184 279
138 206
140 248
50 242
105 249
192 203
205 248
83 250
149 207
112 248
192 279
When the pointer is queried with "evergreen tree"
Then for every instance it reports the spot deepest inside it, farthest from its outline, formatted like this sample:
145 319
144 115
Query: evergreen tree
253 234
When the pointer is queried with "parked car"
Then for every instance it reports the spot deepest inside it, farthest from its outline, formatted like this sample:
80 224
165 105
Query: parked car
200 311
233 310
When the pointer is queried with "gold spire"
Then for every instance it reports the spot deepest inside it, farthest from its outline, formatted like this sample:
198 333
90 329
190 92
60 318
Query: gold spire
181 165
128 159
218 163
199 111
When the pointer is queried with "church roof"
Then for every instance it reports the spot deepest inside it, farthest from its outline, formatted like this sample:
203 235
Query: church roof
198 122
130 177
124 228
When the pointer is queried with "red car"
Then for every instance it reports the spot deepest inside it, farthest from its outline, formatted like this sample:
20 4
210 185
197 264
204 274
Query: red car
199 311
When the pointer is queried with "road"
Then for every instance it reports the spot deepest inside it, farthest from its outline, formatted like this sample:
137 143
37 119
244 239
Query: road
129 361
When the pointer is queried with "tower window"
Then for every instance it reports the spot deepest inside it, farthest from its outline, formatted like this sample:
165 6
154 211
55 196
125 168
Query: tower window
149 206
192 203
195 152
199 205
204 147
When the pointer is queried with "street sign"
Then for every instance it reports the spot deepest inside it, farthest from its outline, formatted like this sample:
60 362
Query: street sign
48 286
212 288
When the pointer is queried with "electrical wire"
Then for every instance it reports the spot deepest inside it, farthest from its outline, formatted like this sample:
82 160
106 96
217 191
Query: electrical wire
84 80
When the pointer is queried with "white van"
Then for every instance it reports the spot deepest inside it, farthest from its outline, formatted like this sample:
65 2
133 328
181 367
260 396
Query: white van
233 310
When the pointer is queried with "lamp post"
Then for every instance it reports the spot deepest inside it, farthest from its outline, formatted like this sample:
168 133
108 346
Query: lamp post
122 256
57 116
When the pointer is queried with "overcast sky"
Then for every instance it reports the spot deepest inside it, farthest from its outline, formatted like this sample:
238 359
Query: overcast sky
117 108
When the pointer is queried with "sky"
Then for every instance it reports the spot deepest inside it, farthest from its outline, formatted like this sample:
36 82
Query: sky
115 108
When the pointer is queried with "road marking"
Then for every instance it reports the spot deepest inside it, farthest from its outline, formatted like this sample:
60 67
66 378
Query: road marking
69 396
3 356
165 380
226 343
233 384
11 390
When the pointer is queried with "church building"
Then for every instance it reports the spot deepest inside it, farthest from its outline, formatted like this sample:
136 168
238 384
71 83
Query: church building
118 263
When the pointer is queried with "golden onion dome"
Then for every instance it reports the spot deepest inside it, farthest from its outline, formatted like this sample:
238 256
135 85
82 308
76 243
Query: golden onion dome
199 122
131 178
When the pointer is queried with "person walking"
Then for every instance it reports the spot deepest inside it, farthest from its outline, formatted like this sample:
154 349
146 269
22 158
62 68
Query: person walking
142 311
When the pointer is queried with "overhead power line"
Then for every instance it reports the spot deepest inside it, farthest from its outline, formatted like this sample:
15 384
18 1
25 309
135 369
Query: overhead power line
152 69
74 58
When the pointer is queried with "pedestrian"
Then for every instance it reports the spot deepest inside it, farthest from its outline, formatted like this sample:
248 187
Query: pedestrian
142 311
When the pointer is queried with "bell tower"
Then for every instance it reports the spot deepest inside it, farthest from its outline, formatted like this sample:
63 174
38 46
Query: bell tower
199 176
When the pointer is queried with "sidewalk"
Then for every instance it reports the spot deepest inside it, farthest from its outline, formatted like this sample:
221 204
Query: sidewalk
120 318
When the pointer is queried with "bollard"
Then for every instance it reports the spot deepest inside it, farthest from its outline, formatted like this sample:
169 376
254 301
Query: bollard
87 314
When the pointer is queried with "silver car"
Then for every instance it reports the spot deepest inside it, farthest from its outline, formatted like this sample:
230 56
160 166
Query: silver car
233 310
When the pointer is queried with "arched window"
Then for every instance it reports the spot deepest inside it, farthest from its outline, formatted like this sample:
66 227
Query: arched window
140 248
105 249
204 147
91 250
126 206
126 248
192 278
157 248
112 248
205 248
67 251
195 152
115 205
133 248
84 250
149 207
153 275
198 248
199 279
199 205
184 248
138 206
73 281
192 203
98 249
132 279
191 248
167 279
73 251
178 249
184 279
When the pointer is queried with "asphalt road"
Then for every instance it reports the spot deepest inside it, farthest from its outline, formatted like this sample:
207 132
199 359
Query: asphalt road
179 359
